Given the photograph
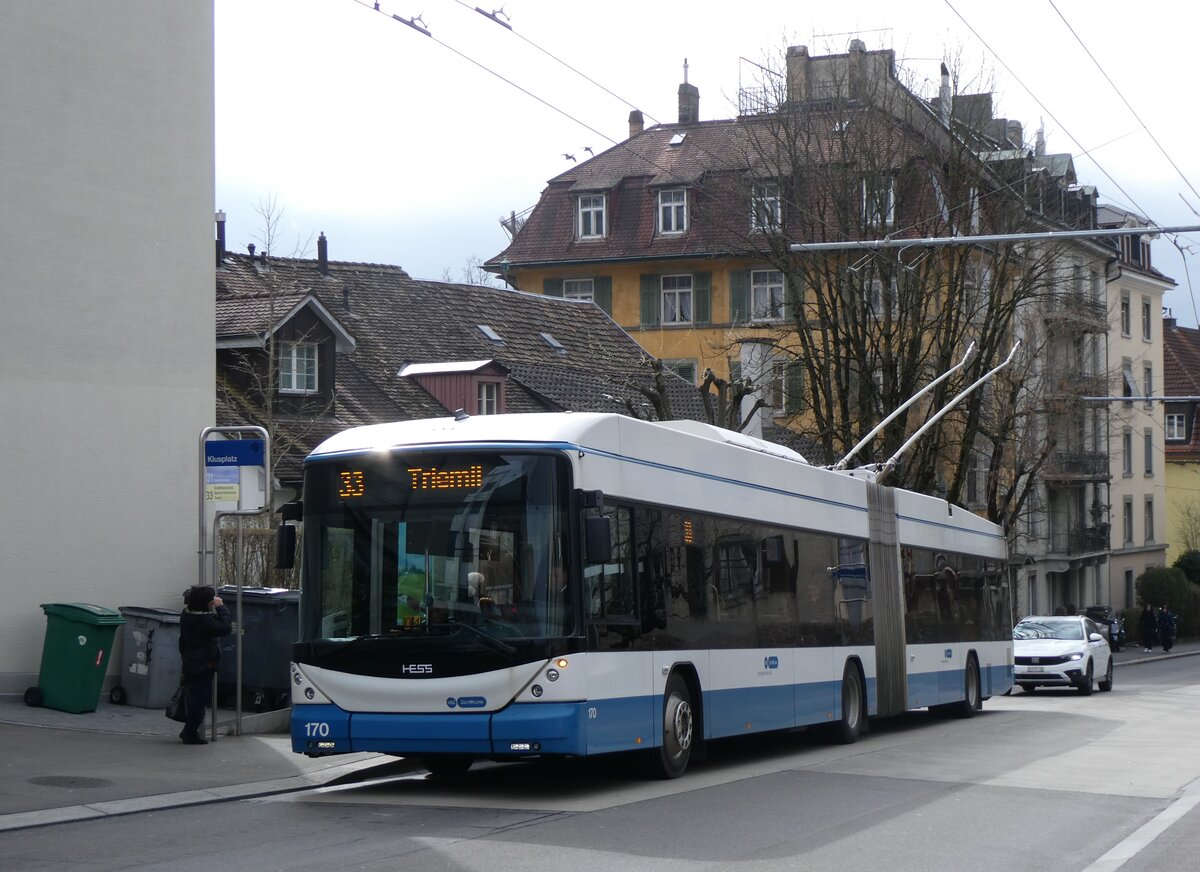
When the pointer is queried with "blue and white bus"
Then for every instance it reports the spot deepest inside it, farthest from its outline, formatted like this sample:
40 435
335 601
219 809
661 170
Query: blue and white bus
566 584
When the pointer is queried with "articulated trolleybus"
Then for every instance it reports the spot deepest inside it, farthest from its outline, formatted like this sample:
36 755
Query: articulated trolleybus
514 586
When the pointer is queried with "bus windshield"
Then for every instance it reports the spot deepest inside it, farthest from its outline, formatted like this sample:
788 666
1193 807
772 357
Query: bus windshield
436 543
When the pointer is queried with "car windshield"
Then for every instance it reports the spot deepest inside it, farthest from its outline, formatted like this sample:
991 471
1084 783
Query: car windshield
1049 628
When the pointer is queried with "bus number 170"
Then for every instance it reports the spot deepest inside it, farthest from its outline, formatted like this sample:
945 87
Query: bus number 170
318 729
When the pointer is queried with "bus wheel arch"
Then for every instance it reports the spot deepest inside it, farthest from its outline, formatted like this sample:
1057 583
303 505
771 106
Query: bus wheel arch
682 723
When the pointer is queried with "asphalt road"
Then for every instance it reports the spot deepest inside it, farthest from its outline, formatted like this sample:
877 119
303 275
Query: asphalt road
1049 780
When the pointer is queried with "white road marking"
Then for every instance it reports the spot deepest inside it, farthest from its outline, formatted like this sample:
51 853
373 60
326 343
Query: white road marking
1128 848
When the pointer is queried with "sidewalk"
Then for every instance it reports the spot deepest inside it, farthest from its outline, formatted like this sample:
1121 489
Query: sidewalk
61 767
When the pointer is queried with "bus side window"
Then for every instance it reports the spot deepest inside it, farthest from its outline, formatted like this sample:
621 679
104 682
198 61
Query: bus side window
609 586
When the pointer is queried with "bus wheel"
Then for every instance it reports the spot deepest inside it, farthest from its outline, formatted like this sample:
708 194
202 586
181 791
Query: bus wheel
447 765
672 756
847 729
970 703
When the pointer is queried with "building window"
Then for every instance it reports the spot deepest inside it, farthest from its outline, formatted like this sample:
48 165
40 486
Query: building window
685 369
489 398
1148 383
1127 453
975 210
1128 385
879 200
1148 521
1148 444
1176 428
1146 319
1129 587
297 368
578 289
765 209
1126 328
1097 287
672 211
677 299
976 478
1127 521
591 216
766 294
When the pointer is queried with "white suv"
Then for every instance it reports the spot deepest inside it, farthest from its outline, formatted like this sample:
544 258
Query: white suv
1061 651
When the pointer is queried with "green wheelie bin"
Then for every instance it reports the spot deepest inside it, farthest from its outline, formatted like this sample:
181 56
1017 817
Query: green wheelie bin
79 640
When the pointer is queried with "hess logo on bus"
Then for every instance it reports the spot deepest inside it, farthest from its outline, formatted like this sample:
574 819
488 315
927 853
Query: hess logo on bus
417 669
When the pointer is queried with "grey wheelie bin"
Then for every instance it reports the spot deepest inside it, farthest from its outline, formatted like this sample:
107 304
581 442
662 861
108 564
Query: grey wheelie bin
270 626
79 640
150 663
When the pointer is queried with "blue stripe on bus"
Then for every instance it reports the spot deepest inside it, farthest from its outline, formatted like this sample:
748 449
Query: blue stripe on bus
604 725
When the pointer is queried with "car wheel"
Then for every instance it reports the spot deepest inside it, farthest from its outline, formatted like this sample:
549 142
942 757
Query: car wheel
1029 688
1106 682
1089 679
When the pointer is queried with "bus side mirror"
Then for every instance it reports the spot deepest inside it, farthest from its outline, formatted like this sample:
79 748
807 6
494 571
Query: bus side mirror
285 546
597 537
292 511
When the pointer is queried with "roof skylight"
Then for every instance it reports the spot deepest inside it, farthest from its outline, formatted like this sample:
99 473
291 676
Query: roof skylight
553 343
491 334
678 139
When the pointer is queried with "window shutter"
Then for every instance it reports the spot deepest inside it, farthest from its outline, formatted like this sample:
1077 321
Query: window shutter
793 299
793 387
602 292
650 306
739 296
702 297
552 287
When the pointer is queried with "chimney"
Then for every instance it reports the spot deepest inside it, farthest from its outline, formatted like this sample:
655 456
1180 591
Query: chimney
636 123
798 84
1016 133
1039 142
689 100
250 248
944 100
322 254
220 216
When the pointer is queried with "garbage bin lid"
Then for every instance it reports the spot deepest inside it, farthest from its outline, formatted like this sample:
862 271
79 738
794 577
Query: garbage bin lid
163 616
83 613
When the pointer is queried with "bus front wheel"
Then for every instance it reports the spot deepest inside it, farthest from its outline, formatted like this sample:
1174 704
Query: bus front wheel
672 756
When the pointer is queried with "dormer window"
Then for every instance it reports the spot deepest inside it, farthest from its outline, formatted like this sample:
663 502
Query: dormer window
297 367
672 211
488 398
765 210
590 219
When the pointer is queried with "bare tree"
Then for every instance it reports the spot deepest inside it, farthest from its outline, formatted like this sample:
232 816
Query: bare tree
848 152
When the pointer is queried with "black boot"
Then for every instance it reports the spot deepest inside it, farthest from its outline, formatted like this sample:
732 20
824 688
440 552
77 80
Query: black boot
193 739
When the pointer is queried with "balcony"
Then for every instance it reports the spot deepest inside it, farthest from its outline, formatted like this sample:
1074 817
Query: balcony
1080 540
1076 466
1077 309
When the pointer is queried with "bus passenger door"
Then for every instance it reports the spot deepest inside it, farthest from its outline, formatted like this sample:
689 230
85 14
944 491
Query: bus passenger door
621 702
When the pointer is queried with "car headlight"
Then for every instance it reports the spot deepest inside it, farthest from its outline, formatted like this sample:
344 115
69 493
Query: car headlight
1076 656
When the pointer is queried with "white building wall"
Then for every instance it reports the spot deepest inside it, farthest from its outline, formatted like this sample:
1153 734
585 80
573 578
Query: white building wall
106 306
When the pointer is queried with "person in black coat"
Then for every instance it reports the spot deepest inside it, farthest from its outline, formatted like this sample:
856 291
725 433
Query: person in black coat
202 623
1148 624
1166 629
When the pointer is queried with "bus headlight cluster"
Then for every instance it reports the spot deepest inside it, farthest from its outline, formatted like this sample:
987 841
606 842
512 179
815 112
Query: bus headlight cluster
552 675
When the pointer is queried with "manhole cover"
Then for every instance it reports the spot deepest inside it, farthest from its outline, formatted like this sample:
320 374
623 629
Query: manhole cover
69 781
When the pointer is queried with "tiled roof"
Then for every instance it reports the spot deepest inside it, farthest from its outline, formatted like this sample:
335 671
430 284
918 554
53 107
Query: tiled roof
396 320
1181 378
629 174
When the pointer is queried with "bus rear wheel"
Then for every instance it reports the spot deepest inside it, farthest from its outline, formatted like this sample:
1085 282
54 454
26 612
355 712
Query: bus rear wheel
848 727
970 703
672 755
447 765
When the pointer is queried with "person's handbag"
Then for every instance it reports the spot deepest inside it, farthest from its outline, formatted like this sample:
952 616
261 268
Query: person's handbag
177 705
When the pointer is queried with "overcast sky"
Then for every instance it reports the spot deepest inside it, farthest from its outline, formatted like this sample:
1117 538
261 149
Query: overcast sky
407 149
